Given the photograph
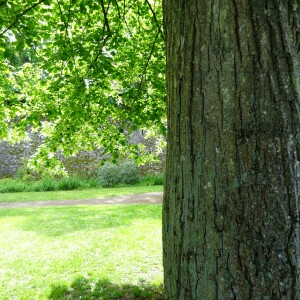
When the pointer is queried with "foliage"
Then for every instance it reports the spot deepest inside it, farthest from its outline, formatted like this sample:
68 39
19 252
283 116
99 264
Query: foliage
85 74
24 172
109 175
151 180
46 184
129 172
51 168
10 186
125 172
75 252
103 289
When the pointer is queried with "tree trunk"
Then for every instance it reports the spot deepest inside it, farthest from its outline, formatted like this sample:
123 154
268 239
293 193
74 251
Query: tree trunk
231 206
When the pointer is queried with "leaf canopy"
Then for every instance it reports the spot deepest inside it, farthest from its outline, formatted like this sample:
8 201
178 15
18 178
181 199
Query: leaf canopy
86 74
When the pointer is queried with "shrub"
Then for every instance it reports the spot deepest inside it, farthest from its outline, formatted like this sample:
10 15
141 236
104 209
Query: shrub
126 172
109 175
25 173
129 172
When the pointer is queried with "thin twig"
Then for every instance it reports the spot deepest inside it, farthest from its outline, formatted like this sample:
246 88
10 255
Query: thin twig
104 37
155 19
148 60
118 9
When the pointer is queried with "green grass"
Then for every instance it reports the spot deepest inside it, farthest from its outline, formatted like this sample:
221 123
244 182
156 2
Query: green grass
47 184
84 252
77 194
152 180
10 185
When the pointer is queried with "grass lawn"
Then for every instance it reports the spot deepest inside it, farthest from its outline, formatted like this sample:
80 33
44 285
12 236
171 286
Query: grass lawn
77 194
82 252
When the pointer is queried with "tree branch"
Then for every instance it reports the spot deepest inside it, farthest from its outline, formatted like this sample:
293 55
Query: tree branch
155 19
106 23
19 16
67 37
148 61
118 9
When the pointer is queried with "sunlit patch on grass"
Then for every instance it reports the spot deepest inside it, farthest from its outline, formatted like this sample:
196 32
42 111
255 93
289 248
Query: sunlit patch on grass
89 250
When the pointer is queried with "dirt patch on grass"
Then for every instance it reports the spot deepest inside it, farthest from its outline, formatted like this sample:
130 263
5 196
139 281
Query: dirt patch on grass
155 197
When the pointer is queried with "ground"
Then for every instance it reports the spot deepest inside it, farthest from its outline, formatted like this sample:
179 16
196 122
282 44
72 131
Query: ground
155 197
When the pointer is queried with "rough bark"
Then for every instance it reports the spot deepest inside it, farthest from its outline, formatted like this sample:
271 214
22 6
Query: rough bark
231 206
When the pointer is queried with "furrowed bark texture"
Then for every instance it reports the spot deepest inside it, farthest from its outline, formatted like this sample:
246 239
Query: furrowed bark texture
231 205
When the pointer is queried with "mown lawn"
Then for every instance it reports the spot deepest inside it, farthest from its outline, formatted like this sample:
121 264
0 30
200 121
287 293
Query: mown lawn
82 252
77 194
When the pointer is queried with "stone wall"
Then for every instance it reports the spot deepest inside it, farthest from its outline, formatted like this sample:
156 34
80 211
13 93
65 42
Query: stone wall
84 163
12 156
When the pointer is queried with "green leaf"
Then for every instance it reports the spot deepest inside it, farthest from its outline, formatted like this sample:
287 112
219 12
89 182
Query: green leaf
82 8
134 127
20 45
6 53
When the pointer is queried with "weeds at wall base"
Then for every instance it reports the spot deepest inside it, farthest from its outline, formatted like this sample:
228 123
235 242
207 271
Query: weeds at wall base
9 185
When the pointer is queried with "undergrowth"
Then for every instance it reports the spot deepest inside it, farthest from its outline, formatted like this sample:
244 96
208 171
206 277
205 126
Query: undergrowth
66 184
46 184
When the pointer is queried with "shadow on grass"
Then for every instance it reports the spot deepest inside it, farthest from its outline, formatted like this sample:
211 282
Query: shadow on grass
57 221
103 289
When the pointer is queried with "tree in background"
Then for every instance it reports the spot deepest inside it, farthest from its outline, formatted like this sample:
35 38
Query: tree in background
231 206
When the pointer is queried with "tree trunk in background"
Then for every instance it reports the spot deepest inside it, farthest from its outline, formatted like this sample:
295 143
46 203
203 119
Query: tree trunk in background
232 192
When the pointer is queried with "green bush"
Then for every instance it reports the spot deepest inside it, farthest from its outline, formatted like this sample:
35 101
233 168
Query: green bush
129 172
25 173
109 175
124 173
